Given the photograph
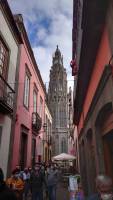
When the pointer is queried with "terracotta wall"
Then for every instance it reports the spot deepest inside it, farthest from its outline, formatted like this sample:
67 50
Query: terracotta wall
102 59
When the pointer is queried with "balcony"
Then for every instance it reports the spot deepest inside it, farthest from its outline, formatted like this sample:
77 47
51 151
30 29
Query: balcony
6 97
36 122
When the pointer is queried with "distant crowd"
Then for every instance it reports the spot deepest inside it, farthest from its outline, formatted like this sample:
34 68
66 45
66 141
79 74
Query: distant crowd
40 183
36 183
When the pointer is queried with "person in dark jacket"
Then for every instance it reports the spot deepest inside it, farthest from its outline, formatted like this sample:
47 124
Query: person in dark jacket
104 188
37 183
52 178
5 192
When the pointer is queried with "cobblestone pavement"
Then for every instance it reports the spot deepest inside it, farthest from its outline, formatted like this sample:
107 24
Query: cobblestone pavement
61 193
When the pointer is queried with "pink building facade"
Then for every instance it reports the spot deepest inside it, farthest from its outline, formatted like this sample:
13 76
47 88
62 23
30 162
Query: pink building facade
10 41
28 131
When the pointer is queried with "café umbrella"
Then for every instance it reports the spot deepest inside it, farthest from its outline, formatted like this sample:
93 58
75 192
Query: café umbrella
63 157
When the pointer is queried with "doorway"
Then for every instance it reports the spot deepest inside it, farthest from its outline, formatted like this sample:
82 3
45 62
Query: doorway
33 151
83 167
108 153
23 150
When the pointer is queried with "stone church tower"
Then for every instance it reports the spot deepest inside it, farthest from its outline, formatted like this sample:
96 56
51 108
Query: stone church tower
57 100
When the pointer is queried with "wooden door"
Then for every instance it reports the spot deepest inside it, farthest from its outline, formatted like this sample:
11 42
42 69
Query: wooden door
33 151
23 151
108 153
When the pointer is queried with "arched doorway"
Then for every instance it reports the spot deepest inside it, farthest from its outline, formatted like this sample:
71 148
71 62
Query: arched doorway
104 139
83 170
108 152
91 167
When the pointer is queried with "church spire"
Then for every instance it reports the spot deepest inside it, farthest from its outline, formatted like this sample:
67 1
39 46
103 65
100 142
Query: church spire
57 52
57 58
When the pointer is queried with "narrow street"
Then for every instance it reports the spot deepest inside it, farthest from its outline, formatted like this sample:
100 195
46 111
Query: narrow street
62 192
56 99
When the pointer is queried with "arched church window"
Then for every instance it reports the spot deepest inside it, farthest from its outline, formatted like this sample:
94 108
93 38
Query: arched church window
63 145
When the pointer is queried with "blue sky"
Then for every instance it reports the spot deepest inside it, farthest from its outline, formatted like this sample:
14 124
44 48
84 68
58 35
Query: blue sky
48 23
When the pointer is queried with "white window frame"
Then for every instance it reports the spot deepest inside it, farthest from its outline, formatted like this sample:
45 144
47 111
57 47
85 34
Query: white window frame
41 107
34 101
26 90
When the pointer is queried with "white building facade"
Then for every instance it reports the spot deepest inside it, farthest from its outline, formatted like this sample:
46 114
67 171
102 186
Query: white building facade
9 52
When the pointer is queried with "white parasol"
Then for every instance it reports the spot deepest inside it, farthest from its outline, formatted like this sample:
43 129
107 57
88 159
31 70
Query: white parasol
64 156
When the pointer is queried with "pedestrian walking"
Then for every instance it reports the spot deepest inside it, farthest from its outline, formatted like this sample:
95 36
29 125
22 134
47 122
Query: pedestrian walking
26 183
16 184
52 180
21 173
104 188
30 171
37 183
5 192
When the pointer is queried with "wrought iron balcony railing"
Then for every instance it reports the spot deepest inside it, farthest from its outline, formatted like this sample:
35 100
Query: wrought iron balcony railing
36 122
6 97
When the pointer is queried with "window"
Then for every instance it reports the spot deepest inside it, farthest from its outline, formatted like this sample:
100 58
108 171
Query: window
63 145
33 151
26 90
34 101
41 106
3 59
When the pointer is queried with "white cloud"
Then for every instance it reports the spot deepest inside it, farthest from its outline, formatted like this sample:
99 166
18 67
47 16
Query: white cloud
43 57
59 14
42 34
48 7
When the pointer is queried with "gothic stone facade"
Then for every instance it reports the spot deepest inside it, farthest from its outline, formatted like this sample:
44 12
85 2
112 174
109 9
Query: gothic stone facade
57 98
